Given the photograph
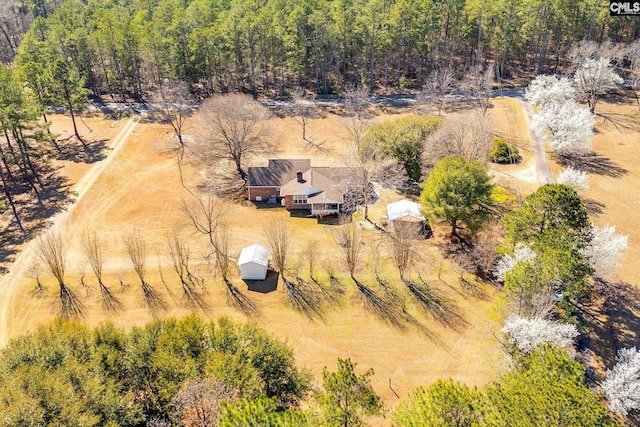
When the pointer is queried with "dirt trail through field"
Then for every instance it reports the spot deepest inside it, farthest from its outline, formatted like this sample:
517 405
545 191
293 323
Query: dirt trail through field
23 260
543 168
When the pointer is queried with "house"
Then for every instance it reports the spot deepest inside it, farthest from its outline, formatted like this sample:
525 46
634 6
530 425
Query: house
298 185
405 215
254 262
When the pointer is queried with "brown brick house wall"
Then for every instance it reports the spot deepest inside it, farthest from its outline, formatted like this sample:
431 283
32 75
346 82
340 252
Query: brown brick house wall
288 203
263 192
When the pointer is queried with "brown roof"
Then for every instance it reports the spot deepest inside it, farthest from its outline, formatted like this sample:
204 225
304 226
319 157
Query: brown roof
278 173
323 184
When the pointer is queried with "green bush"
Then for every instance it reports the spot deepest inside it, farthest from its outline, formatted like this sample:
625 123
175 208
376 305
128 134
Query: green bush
503 152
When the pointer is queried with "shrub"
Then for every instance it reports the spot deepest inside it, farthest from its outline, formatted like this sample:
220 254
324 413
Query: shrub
503 152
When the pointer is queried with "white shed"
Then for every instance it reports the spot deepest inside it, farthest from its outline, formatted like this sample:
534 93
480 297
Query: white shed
253 262
407 214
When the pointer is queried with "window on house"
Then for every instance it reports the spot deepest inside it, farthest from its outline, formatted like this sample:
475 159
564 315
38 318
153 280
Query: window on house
299 199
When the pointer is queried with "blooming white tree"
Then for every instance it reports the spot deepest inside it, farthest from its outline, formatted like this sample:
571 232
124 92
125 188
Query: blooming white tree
605 250
578 180
507 262
567 126
545 90
525 334
622 386
593 77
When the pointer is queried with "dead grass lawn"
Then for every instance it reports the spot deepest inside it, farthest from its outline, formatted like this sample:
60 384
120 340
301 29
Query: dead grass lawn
140 190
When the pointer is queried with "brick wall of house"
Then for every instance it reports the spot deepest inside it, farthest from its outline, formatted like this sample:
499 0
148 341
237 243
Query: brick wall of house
263 192
288 203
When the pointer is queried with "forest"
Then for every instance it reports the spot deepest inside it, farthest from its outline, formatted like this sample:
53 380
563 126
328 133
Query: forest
121 49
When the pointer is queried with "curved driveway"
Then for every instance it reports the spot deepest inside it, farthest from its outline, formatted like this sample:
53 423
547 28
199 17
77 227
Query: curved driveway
543 167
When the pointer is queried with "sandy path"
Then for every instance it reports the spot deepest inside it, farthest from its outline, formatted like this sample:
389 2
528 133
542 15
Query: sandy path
23 260
543 168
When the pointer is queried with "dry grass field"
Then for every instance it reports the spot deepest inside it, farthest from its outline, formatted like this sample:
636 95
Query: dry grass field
137 188
614 198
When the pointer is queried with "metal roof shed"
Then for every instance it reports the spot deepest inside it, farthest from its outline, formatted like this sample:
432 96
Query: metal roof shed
407 216
253 262
404 209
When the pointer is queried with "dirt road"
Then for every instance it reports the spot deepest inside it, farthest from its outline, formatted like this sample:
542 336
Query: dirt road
543 168
25 258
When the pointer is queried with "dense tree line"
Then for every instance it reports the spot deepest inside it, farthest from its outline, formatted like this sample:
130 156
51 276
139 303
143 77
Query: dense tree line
123 49
191 372
68 374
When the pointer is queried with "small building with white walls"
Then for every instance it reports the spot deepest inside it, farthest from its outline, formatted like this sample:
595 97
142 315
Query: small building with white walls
254 262
407 215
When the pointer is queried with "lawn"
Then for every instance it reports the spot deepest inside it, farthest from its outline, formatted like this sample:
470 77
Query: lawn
139 190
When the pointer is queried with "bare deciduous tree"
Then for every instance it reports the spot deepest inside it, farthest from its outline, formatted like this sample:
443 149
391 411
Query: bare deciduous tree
279 241
51 251
334 281
468 135
205 213
356 121
588 49
479 83
365 162
350 243
389 310
303 297
180 257
304 110
402 245
94 254
137 250
311 253
632 53
439 84
221 238
220 245
199 403
234 128
174 103
35 272
483 252
356 102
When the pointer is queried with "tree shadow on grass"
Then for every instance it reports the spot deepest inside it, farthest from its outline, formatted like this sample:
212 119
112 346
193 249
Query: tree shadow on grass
613 320
594 163
56 196
435 303
34 215
623 306
10 238
239 300
593 206
621 121
389 308
305 299
70 149
473 289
